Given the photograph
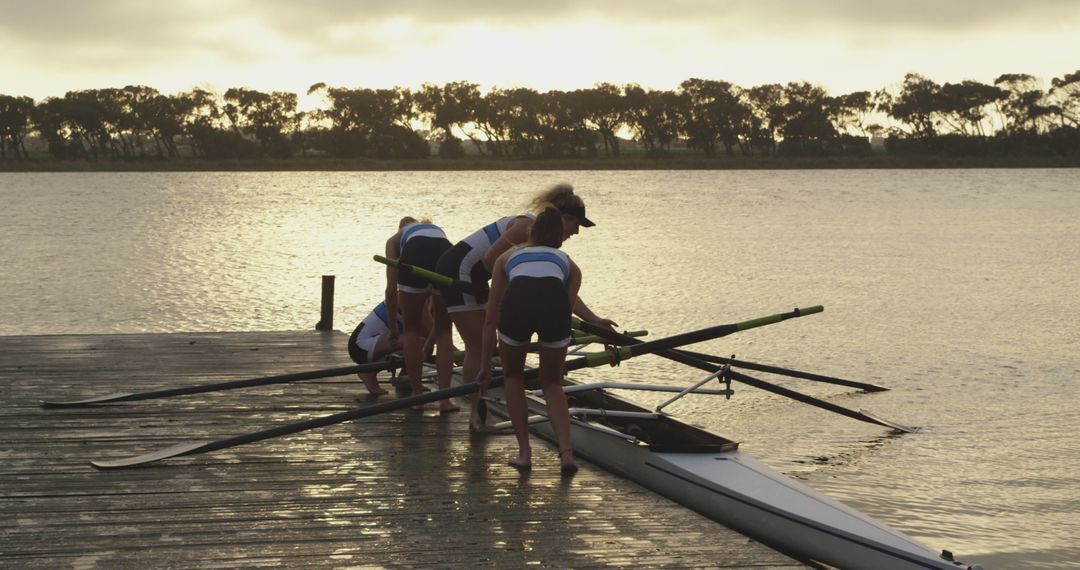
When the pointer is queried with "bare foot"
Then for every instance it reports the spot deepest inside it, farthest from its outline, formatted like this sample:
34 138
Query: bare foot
523 463
448 407
371 382
567 465
417 392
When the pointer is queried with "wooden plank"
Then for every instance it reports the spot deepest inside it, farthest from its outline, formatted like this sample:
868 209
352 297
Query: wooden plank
401 489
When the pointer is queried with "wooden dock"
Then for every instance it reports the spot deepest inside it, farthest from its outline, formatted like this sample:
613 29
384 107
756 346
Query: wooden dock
402 489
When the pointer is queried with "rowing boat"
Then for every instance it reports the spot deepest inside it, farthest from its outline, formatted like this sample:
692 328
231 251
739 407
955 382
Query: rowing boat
711 475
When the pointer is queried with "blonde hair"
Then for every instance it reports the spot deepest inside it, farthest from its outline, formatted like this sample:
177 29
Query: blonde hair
411 220
559 196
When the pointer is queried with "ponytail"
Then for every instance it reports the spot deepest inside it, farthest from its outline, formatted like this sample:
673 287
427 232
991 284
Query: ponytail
547 230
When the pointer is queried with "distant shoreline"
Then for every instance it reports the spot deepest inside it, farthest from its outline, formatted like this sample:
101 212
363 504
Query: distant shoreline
301 164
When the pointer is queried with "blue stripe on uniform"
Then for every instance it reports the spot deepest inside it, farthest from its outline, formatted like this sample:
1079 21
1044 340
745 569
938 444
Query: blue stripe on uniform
538 256
380 311
409 231
492 231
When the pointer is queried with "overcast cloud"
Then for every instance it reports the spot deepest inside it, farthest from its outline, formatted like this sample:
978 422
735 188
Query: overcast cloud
57 44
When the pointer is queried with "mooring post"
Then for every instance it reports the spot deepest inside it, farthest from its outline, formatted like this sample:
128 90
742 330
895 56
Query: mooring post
326 318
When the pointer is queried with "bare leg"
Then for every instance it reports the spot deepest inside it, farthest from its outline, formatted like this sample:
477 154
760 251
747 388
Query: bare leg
470 326
412 307
513 359
444 351
552 361
382 347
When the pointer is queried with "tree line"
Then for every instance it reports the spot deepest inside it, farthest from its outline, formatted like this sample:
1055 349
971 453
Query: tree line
1014 115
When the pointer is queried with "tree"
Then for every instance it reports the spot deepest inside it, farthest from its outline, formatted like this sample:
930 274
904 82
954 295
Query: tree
15 123
766 116
653 116
715 113
368 122
915 105
964 106
266 118
806 120
1065 97
605 109
446 107
1021 107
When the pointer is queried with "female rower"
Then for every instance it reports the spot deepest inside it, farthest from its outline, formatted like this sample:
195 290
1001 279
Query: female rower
532 290
419 244
371 342
470 262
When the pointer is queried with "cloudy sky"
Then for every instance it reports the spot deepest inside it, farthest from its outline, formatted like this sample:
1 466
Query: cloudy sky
52 46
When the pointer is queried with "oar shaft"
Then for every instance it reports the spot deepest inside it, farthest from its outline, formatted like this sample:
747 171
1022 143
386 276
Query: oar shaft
634 347
681 357
436 278
366 411
785 371
230 385
401 403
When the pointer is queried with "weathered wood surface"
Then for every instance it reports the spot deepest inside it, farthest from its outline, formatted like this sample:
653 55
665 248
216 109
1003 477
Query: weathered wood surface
401 489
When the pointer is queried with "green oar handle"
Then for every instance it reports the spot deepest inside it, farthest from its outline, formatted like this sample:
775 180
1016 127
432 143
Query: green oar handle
436 278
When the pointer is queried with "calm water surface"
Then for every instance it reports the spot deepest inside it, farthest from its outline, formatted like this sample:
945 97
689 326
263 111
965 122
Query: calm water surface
958 289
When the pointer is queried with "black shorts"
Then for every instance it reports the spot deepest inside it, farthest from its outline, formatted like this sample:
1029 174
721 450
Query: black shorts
423 252
357 354
535 305
452 264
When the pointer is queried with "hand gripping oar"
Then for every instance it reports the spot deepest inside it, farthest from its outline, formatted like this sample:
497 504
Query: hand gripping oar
231 385
613 355
680 356
785 372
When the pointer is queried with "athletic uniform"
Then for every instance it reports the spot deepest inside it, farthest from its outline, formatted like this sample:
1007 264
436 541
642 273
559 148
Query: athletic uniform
536 299
465 262
421 246
363 339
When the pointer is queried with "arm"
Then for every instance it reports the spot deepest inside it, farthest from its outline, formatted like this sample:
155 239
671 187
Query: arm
573 285
393 251
517 232
586 314
491 321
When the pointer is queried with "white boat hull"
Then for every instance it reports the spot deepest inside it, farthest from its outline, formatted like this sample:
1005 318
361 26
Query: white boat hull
740 492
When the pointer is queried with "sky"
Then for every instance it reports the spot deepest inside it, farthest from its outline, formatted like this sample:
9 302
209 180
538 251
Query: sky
50 47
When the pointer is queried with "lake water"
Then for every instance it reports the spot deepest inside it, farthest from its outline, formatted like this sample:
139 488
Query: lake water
958 289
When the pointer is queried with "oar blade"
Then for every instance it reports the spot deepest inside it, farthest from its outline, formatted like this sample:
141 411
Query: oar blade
152 457
889 423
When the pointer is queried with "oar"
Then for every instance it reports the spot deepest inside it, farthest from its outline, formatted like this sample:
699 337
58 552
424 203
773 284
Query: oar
679 356
598 359
436 278
219 386
785 371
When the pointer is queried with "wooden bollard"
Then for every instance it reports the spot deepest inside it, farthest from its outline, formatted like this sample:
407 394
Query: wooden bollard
326 318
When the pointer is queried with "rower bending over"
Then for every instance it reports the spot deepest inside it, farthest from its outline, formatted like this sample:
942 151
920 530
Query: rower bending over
419 244
533 289
470 262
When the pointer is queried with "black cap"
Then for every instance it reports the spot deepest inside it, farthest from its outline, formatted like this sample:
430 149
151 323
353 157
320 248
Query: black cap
579 213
